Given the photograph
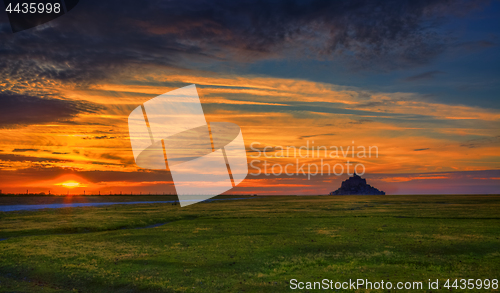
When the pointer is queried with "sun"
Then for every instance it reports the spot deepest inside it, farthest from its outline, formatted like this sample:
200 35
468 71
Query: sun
70 184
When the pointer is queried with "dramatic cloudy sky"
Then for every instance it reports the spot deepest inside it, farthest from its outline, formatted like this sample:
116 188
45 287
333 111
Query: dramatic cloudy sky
418 79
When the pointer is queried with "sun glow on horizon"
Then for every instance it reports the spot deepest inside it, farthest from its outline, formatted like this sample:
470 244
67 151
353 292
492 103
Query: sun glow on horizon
70 184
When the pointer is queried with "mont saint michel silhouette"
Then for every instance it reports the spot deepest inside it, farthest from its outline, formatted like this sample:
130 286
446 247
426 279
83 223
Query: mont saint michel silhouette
356 185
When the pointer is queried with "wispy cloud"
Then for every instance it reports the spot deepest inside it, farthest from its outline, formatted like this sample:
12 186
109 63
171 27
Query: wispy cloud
476 45
24 150
419 150
316 135
481 142
424 76
23 110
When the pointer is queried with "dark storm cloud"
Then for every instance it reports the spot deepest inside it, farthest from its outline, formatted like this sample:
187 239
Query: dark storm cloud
99 38
23 110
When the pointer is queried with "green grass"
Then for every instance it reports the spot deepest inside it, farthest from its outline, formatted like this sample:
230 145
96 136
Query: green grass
254 245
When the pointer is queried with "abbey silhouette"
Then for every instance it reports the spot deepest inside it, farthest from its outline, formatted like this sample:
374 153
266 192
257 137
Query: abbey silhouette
356 185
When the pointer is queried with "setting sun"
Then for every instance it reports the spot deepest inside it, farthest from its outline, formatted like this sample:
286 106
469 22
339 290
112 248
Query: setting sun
70 184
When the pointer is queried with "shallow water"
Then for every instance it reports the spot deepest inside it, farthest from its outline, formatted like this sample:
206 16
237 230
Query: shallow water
28 207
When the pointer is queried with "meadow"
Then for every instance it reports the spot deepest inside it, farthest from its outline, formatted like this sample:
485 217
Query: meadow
252 245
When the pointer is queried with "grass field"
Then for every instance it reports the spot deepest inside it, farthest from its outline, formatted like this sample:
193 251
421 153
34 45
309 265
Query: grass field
253 245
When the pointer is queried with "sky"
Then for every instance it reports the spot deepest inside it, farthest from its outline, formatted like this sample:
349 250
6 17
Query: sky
419 80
